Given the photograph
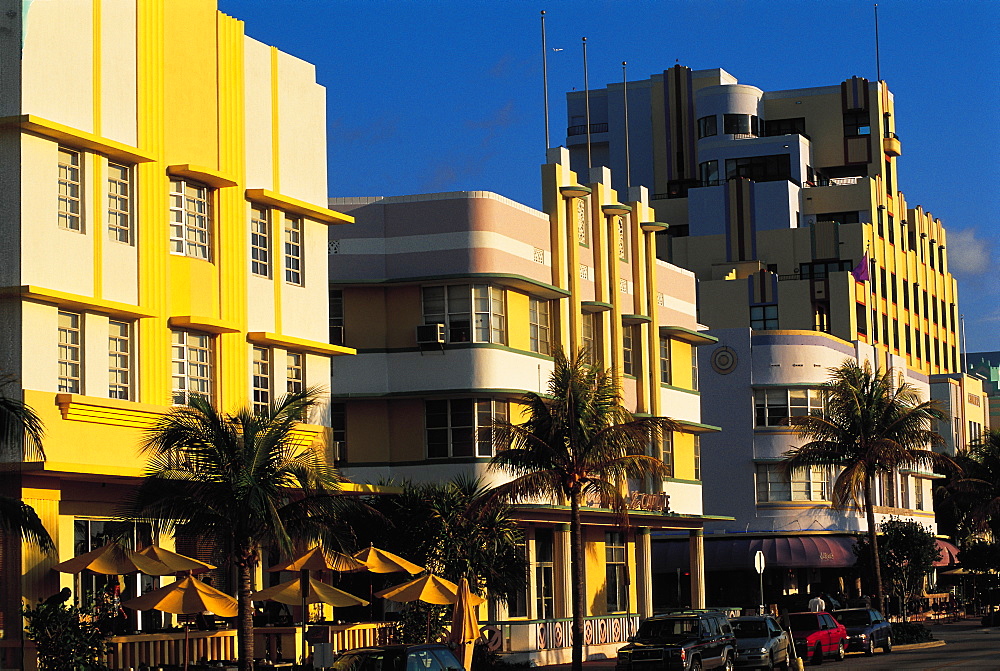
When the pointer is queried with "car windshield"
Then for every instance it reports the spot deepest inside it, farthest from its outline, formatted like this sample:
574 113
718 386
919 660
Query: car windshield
669 628
853 618
369 661
750 628
803 622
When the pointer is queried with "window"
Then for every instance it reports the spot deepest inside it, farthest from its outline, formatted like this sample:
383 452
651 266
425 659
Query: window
842 218
293 250
120 202
540 326
888 177
591 327
119 360
862 318
707 126
694 368
809 483
338 430
665 450
544 578
666 376
918 494
891 225
261 379
904 492
821 317
892 287
856 123
817 270
190 219
294 372
517 603
260 241
764 317
470 313
708 173
70 349
582 225
336 317
616 572
630 350
462 427
772 168
193 365
772 407
793 126
772 484
70 189
736 124
697 457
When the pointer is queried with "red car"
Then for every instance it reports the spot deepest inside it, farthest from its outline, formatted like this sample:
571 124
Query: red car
817 635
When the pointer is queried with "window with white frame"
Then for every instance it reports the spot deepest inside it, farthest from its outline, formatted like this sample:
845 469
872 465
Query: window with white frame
540 326
764 317
260 240
918 494
120 202
809 483
470 312
773 407
70 352
694 368
697 457
591 326
295 372
119 360
190 219
336 317
462 427
616 572
665 450
192 365
666 375
294 260
70 189
630 350
544 573
261 379
338 430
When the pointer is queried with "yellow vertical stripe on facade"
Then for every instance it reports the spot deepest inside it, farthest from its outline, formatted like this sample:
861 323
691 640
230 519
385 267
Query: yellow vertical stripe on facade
277 217
233 358
98 163
154 353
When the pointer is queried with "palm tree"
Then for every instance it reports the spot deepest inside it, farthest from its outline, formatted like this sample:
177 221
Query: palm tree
872 424
976 492
21 428
578 440
241 480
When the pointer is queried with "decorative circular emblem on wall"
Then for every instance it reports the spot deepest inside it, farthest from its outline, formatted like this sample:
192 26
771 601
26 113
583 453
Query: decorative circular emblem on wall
724 360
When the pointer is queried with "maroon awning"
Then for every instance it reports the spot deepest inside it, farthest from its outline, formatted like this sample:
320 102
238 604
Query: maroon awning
730 553
949 553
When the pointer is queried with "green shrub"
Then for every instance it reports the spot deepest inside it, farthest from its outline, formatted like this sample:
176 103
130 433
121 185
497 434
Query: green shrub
67 638
910 632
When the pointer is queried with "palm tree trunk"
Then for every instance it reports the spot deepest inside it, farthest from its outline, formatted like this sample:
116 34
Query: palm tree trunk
244 631
576 568
873 543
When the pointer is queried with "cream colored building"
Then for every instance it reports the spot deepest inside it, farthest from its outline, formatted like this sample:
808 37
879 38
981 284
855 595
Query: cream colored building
163 188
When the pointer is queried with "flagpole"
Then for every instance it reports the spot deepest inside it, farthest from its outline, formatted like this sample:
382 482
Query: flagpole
545 83
586 99
878 62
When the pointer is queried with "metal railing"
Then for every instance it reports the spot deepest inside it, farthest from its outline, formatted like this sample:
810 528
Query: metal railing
537 635
582 129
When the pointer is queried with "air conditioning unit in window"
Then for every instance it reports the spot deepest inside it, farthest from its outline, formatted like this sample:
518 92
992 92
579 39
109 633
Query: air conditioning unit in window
430 334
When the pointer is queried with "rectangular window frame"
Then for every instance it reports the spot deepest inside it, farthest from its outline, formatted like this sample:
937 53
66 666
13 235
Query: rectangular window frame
294 245
540 325
191 219
192 365
666 374
260 240
471 313
120 203
262 385
630 350
70 352
120 359
70 188
462 428
764 317
616 572
295 376
708 126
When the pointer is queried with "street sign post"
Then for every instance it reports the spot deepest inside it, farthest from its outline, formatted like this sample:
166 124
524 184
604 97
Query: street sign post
758 562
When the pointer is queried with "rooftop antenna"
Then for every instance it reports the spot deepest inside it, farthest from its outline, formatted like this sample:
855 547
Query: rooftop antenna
628 167
878 63
586 101
545 83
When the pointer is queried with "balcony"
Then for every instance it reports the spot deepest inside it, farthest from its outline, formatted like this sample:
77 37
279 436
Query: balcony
582 129
890 145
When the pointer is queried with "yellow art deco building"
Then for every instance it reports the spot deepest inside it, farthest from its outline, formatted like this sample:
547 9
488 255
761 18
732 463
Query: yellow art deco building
162 182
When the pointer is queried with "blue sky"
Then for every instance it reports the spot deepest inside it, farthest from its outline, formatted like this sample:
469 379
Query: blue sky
447 95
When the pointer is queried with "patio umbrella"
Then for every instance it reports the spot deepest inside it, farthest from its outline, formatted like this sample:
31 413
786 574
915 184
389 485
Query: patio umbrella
429 589
113 559
317 592
177 563
464 625
187 595
380 561
318 560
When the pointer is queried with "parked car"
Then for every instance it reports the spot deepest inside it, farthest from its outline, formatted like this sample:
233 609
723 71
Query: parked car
430 657
688 640
760 642
866 629
817 636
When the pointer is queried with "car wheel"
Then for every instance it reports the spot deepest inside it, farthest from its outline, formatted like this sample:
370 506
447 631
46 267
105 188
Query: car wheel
817 656
841 653
887 646
696 664
869 647
770 665
728 664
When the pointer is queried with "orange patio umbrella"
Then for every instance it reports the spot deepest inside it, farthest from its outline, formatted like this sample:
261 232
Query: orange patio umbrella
177 563
464 625
380 561
113 559
318 560
317 592
429 589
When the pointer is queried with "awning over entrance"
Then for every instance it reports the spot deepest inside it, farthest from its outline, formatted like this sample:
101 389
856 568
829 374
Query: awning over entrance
729 553
949 553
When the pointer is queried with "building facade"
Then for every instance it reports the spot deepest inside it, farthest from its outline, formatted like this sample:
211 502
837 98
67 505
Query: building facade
786 206
461 300
163 181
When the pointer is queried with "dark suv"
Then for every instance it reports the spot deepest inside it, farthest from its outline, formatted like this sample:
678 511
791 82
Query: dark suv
687 640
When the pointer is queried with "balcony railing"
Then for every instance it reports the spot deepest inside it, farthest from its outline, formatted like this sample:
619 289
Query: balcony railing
582 129
537 635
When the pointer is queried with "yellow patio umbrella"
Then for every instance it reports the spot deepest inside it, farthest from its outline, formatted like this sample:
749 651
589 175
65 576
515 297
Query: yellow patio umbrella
318 560
380 561
429 589
177 563
113 559
317 592
464 625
